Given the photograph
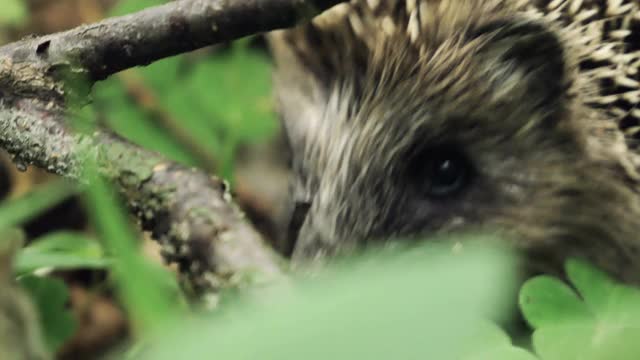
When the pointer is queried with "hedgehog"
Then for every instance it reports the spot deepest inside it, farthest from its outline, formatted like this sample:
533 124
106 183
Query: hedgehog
412 118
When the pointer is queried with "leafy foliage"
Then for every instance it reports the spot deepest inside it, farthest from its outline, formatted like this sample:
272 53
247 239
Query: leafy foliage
492 343
61 251
420 304
218 101
208 109
383 305
599 321
50 297
149 292
54 251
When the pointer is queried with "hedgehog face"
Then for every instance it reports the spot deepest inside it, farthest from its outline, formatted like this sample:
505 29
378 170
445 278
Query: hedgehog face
471 125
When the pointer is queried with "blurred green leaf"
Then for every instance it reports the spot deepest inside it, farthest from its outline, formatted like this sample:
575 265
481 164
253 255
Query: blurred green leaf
141 286
491 343
61 250
17 211
50 297
222 101
13 12
603 324
163 75
545 299
131 122
235 89
423 303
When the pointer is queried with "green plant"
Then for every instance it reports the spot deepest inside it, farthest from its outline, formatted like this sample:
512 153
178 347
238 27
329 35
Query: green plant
199 108
597 319
13 12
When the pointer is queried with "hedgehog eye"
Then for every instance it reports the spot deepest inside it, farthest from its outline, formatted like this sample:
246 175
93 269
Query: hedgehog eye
441 172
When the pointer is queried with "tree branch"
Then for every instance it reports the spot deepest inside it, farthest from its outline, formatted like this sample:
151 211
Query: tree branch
188 212
119 43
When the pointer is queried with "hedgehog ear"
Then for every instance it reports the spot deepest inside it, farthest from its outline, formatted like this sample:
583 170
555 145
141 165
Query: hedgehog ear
532 57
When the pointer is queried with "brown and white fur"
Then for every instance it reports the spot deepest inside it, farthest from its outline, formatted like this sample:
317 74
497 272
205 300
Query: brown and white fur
539 97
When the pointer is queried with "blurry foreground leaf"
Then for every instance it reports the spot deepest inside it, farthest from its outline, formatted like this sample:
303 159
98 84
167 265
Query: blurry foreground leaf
603 323
141 286
61 250
492 343
423 303
50 297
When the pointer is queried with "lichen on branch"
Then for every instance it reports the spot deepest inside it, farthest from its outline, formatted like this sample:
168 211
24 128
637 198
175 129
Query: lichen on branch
189 212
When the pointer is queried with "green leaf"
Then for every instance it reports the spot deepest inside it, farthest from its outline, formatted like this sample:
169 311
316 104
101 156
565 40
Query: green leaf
50 297
141 286
132 123
20 210
423 303
594 286
545 299
604 324
13 12
502 353
163 75
235 90
61 250
598 340
605 297
491 343
232 94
